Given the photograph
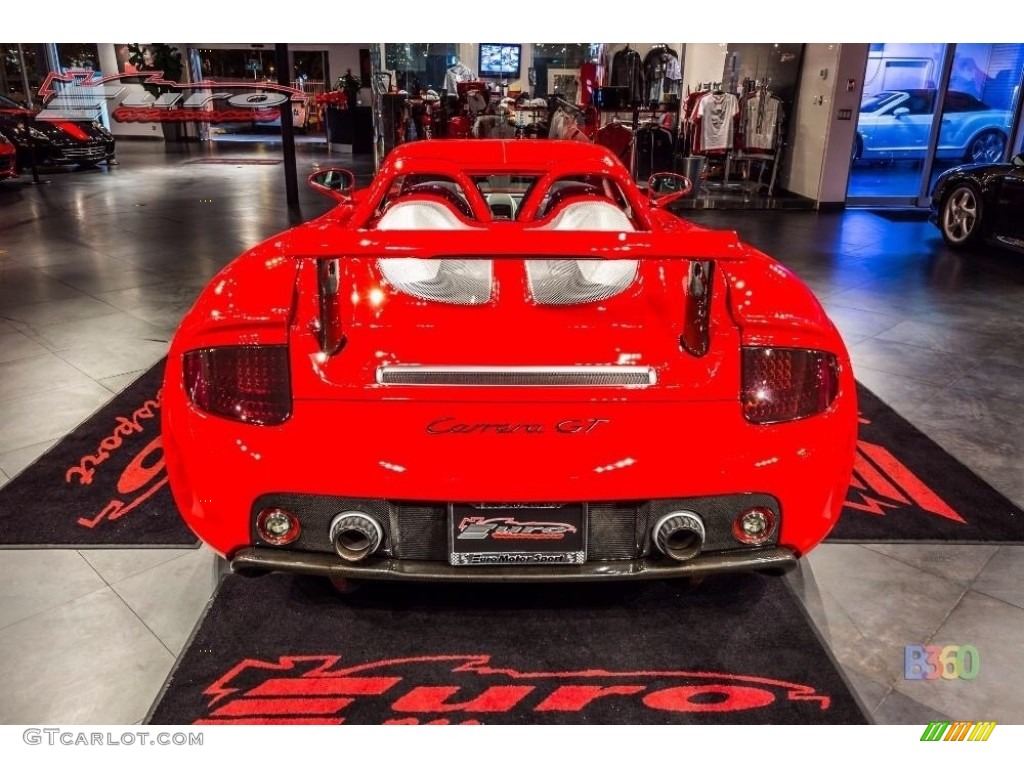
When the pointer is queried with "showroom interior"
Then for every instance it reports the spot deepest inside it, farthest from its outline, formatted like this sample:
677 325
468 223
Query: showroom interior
827 161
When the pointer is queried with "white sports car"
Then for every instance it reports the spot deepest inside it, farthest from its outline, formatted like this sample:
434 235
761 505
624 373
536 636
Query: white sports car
895 125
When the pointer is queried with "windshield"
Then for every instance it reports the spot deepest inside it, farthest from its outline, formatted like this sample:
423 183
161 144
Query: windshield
880 101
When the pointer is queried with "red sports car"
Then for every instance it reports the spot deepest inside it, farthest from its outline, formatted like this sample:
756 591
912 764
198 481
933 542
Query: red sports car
504 361
8 159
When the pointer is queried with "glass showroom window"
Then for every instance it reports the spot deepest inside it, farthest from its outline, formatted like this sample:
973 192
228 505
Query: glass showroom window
980 105
420 66
922 112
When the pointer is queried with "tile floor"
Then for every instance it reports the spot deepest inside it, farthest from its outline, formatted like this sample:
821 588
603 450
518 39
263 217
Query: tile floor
97 267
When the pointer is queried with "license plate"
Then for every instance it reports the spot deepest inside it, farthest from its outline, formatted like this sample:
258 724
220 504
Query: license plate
517 534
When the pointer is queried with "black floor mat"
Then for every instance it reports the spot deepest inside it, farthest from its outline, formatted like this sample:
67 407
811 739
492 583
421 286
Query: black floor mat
284 649
104 485
907 488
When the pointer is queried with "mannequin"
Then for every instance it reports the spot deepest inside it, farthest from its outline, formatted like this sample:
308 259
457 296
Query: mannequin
457 73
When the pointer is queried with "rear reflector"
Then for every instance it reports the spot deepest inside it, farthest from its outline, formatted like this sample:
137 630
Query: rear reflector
249 384
782 384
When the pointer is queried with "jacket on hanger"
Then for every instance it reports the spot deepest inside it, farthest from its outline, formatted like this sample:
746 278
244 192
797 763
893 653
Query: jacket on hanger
627 71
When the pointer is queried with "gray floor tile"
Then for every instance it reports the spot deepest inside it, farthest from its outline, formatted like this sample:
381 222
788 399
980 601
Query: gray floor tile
927 365
901 393
101 274
32 375
994 420
956 562
88 661
15 346
170 597
118 383
59 311
28 584
115 565
15 461
113 356
83 333
889 605
28 285
898 709
31 420
943 338
995 629
993 378
870 693
1002 577
860 321
853 650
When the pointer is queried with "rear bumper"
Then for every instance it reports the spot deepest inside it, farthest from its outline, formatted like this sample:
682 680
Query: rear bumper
252 560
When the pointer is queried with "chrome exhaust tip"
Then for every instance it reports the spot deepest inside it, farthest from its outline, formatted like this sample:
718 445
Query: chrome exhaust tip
356 535
679 535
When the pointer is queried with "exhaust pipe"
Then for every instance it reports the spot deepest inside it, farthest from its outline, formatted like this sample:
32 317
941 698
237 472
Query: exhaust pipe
679 535
356 535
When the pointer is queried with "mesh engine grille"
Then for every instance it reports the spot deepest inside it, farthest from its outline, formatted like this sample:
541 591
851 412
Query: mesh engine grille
520 376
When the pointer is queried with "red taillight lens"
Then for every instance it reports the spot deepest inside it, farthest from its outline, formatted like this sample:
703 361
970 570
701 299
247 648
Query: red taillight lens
249 384
781 384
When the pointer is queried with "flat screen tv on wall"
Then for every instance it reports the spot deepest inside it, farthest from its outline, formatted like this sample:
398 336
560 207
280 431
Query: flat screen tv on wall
500 59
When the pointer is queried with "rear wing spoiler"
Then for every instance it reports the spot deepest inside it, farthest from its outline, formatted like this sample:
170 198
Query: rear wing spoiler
330 242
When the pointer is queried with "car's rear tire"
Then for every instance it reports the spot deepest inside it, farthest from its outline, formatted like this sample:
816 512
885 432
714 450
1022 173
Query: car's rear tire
986 147
960 217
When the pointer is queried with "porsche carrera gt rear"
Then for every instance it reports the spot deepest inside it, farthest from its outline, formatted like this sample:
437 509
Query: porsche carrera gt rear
417 394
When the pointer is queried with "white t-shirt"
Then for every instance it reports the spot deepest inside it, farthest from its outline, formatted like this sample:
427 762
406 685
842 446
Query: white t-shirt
716 111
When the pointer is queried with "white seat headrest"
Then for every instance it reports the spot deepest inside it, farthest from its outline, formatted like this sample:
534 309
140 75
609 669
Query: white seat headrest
420 214
590 216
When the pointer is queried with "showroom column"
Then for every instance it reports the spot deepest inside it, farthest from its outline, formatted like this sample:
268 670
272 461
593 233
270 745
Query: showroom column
284 71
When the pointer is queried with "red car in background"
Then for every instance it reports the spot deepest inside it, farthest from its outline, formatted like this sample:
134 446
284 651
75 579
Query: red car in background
504 361
8 159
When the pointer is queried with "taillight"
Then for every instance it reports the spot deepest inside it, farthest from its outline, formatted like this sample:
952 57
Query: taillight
782 384
246 383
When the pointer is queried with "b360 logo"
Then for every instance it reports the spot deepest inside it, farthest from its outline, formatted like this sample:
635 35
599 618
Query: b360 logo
932 662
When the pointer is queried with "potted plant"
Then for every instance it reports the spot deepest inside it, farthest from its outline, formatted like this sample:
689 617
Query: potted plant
350 84
159 57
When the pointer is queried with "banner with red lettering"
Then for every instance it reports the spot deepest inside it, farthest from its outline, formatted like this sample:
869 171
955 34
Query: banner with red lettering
288 650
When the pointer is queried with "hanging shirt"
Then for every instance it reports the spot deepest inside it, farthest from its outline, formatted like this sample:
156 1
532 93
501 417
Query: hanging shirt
761 118
716 112
588 82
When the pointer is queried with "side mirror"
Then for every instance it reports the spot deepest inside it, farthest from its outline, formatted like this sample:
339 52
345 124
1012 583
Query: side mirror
899 112
665 188
1018 160
336 183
